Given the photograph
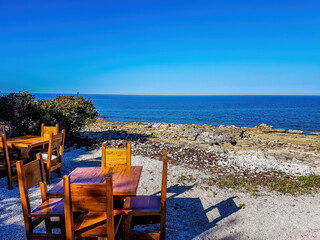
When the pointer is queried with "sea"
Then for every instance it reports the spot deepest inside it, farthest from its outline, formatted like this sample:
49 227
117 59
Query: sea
286 112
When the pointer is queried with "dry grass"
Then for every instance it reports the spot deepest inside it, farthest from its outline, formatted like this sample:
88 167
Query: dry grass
276 181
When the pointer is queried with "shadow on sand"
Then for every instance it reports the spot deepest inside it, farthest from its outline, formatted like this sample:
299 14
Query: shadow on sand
178 208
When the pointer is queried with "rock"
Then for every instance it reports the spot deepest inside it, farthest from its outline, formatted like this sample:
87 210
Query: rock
258 149
278 130
314 133
215 148
264 128
156 125
192 134
145 125
164 125
294 160
295 131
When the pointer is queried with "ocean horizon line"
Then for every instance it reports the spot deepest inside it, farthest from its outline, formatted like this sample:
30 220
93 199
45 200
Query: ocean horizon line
185 95
280 111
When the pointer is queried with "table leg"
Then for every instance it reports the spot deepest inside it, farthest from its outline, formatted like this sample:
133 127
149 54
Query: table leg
25 152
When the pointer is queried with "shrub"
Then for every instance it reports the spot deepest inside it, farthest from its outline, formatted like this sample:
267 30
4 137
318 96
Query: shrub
20 111
25 115
70 112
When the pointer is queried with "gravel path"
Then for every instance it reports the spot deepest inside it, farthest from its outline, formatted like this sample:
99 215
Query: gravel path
192 212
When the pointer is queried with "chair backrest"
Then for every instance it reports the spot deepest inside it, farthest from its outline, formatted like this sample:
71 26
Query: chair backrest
115 156
88 197
30 175
2 130
56 145
47 130
164 196
4 146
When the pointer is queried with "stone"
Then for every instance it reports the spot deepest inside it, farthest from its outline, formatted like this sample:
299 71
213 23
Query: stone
295 131
156 125
215 148
164 125
278 130
314 133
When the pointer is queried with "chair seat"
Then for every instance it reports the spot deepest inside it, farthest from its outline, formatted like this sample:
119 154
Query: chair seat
54 158
50 208
93 224
142 205
36 150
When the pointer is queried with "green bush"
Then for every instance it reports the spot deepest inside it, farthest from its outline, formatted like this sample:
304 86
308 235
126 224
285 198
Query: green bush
25 115
71 113
21 112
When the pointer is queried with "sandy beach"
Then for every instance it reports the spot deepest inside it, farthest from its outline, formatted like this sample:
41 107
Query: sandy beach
193 212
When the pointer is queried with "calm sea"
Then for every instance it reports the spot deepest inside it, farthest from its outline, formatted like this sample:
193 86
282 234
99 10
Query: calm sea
288 112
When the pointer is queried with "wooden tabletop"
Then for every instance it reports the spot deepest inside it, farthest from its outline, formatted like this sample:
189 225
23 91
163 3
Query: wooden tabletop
27 141
125 179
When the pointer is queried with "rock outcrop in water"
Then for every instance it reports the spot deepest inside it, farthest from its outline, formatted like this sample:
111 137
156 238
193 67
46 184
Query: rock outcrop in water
221 150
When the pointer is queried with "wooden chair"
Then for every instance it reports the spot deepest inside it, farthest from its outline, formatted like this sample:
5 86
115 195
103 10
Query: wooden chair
115 156
30 175
147 210
47 130
53 158
95 201
8 161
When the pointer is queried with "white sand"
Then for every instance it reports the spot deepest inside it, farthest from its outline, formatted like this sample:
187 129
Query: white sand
192 213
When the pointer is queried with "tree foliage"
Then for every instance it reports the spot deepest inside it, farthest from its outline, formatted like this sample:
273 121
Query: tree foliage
25 115
20 111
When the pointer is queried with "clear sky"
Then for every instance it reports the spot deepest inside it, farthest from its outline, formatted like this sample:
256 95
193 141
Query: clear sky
161 47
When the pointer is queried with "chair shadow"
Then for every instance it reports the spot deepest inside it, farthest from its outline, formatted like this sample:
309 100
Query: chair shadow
195 215
179 208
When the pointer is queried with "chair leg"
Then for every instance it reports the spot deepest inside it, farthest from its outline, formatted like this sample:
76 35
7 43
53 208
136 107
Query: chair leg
28 229
63 227
48 176
59 172
9 177
127 226
47 224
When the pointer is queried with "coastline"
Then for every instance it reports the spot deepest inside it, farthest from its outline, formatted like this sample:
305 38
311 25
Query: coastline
223 150
289 112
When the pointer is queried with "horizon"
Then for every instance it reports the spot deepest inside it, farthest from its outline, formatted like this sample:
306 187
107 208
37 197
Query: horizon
174 95
162 48
179 95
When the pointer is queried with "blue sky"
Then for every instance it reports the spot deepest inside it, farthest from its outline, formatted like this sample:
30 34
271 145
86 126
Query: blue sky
161 47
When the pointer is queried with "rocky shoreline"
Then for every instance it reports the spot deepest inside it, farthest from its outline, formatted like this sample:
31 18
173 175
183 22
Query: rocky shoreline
223 150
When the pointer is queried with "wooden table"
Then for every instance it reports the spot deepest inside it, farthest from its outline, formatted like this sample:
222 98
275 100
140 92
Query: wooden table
25 143
125 179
